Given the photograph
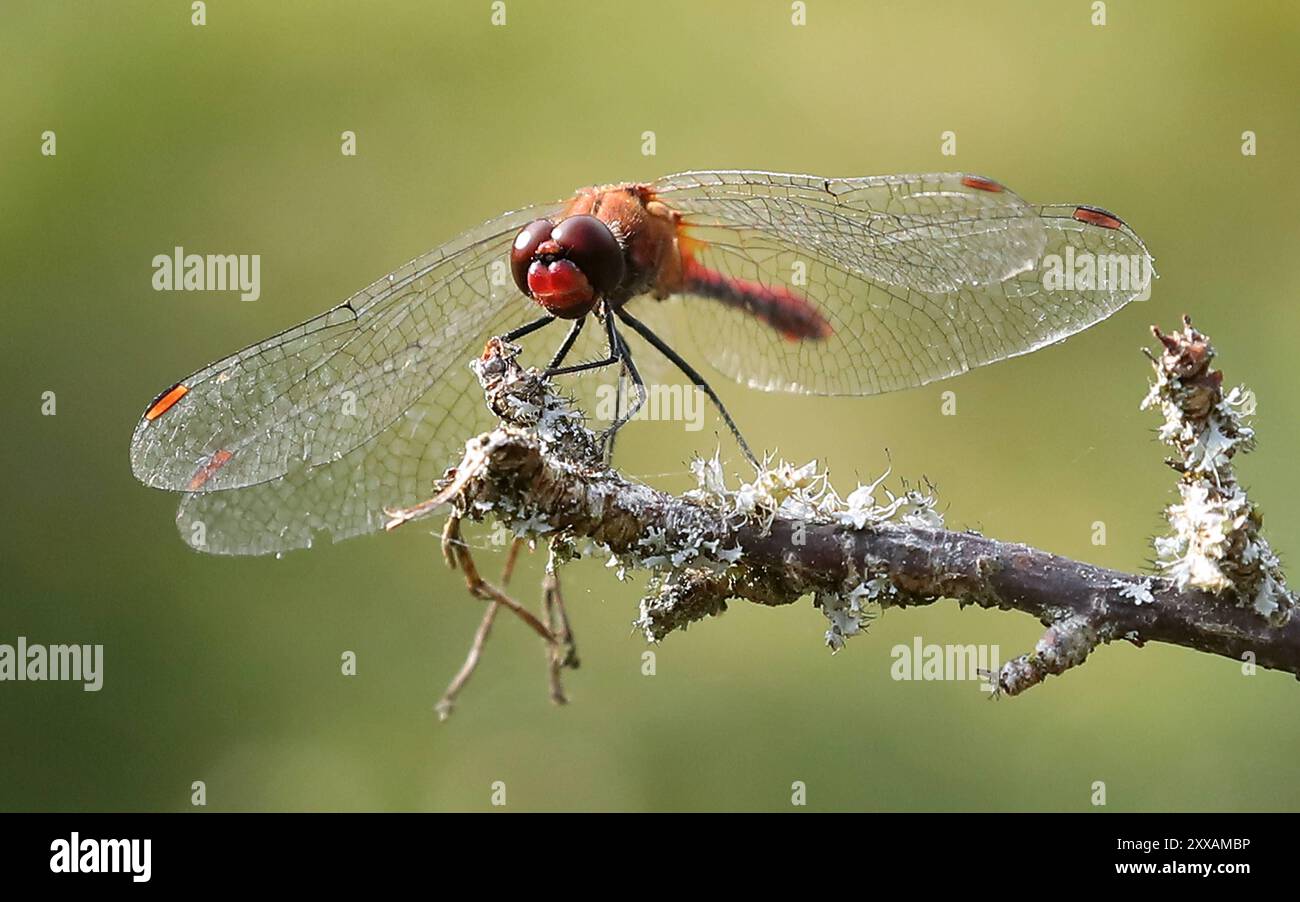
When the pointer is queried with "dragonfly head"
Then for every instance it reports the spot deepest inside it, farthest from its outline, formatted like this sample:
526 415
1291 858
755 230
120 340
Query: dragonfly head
567 266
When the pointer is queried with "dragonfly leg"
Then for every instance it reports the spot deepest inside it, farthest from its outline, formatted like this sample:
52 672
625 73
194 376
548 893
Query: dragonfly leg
527 327
619 396
592 364
580 367
620 417
612 433
637 382
662 347
567 344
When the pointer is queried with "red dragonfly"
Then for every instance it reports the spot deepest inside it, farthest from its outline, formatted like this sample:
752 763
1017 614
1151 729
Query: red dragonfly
784 282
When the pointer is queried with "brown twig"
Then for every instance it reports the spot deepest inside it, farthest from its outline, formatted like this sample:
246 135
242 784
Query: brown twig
482 589
564 652
703 549
554 627
451 536
447 703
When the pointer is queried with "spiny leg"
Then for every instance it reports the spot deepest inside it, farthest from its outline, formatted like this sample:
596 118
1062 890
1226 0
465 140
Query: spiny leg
637 382
613 357
619 396
662 347
528 327
621 418
607 439
567 345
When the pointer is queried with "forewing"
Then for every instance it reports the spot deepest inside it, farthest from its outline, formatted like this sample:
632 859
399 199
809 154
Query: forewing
396 468
314 432
305 398
347 497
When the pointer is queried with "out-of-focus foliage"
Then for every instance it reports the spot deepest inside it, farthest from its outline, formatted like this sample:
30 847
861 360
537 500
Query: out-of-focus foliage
225 139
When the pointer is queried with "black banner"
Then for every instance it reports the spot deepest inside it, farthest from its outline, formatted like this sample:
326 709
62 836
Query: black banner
336 850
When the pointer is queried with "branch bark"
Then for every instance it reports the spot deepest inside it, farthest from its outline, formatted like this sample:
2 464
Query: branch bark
787 536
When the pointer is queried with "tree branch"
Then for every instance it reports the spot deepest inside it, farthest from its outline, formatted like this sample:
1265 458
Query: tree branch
788 535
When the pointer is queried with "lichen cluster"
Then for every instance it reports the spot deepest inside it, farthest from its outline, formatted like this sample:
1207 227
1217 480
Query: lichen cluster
1215 542
523 398
803 494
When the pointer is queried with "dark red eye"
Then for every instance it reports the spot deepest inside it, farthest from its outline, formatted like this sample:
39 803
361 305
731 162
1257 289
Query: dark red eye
592 247
525 248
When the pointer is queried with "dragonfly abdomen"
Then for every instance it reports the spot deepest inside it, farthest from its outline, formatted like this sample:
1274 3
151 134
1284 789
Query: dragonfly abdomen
779 307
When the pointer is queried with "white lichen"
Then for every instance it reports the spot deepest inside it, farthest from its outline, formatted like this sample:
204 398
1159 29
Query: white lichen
1215 543
850 613
692 548
801 494
1139 593
804 494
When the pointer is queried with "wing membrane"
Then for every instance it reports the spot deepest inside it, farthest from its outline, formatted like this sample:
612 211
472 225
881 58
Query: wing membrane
921 277
346 497
934 233
310 395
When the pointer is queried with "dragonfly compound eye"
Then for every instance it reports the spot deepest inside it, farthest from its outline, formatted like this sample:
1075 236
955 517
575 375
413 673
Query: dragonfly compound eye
567 267
592 247
530 237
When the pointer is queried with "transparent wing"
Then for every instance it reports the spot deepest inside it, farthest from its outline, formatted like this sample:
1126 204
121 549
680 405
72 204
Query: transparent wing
396 468
920 277
933 233
346 497
309 396
315 431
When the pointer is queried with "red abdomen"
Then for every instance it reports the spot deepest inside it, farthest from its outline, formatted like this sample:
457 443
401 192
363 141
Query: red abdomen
778 307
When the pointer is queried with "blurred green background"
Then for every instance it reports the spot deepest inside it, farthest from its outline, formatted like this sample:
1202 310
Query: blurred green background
225 139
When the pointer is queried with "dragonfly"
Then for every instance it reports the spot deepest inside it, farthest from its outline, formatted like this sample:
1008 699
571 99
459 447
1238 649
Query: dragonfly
780 281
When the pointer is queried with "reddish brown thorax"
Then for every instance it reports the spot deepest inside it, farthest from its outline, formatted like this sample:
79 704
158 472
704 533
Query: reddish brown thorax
649 231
